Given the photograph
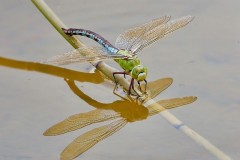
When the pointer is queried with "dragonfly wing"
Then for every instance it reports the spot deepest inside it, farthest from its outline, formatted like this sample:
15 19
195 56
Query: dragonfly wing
160 31
90 138
132 36
80 120
170 103
82 54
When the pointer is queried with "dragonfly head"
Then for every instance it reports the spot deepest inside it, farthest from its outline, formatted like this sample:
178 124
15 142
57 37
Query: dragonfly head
139 73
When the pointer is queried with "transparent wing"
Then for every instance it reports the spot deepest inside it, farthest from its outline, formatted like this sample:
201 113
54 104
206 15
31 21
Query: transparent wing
139 37
80 120
89 139
83 54
170 103
132 36
159 32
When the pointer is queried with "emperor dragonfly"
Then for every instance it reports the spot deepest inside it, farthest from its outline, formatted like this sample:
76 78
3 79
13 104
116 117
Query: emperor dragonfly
127 45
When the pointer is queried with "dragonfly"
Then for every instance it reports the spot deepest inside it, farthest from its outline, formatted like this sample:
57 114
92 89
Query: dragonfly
120 114
126 48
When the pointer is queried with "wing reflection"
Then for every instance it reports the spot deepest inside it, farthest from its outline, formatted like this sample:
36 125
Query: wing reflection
120 112
52 70
90 138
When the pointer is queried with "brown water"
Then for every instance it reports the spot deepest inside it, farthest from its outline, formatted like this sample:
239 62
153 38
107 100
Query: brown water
202 58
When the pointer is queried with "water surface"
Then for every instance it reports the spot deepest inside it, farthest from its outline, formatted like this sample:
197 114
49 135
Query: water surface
202 58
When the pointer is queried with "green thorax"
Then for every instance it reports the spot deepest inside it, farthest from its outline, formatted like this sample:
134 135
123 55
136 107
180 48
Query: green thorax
127 64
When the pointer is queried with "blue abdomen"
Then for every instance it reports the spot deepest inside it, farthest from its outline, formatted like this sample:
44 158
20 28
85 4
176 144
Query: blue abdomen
96 37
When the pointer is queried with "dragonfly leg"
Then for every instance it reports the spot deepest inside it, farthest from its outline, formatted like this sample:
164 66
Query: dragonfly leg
114 73
139 86
115 80
141 99
128 97
131 86
145 85
145 88
138 99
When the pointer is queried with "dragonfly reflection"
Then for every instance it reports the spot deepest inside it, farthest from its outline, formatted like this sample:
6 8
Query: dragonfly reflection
120 112
95 77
